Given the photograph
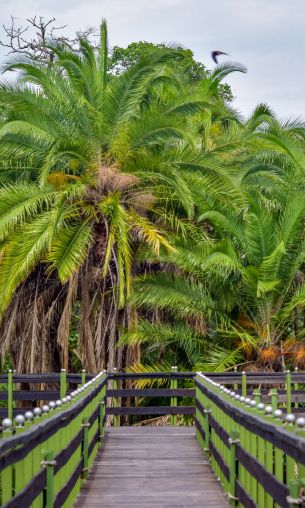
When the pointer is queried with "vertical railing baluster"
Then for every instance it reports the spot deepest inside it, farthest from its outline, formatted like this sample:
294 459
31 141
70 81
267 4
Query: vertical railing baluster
10 401
296 387
244 384
116 404
174 385
85 449
288 391
273 394
234 440
49 464
207 411
101 419
257 395
63 383
294 491
235 386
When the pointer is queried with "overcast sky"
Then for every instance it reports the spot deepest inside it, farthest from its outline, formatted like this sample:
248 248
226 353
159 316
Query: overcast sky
265 35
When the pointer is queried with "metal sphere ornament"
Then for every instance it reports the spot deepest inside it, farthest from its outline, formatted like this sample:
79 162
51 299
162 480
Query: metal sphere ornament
7 423
278 413
290 418
300 422
19 419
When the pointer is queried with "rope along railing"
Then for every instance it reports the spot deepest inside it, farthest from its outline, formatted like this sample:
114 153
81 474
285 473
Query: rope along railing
256 450
46 453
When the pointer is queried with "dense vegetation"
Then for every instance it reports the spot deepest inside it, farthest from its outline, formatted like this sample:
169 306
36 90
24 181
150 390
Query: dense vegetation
143 222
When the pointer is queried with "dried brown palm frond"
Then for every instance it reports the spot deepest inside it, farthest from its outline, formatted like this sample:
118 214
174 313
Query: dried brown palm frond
65 321
142 201
160 421
269 356
112 179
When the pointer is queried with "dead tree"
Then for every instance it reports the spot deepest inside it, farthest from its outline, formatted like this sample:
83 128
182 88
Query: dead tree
34 40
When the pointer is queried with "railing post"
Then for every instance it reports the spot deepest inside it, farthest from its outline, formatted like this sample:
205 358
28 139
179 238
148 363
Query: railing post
233 440
235 386
294 491
174 386
14 389
85 448
296 387
273 394
49 464
83 376
244 384
288 391
63 383
257 395
207 411
10 394
101 419
116 403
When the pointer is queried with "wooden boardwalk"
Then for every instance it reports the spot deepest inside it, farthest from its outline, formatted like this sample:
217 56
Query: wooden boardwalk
151 467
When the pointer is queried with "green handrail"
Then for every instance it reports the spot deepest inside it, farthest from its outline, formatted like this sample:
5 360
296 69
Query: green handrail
256 450
45 455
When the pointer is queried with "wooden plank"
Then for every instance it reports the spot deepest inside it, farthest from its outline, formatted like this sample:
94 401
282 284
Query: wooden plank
151 467
152 392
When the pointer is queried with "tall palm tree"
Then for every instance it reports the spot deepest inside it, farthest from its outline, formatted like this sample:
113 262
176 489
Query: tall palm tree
86 178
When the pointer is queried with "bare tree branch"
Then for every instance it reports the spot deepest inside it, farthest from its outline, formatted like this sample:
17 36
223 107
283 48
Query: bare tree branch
34 39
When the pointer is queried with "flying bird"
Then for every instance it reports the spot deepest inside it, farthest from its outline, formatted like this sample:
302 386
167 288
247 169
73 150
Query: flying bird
215 54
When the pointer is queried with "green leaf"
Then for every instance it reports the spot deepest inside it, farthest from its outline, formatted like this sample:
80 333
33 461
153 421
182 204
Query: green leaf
70 249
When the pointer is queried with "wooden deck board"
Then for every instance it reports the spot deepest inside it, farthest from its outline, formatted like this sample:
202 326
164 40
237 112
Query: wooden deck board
151 467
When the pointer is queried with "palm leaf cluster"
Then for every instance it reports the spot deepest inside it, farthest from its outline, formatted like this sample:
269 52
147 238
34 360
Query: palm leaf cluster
142 213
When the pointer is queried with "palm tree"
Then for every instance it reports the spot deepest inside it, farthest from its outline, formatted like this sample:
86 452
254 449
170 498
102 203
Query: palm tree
87 175
235 293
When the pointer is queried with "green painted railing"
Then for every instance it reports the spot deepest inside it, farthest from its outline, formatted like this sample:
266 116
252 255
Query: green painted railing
28 389
257 451
46 453
244 423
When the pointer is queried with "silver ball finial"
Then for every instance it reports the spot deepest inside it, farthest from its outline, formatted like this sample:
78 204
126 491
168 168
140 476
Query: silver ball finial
290 418
19 419
268 410
260 406
28 415
45 408
278 413
300 422
7 423
37 411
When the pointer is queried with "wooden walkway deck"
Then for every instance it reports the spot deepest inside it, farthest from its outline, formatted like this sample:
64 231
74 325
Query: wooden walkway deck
151 467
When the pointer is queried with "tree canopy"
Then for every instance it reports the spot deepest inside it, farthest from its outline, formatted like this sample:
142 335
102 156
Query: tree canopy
142 220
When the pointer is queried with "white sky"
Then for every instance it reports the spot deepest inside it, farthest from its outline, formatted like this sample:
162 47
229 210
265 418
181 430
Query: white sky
265 35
